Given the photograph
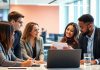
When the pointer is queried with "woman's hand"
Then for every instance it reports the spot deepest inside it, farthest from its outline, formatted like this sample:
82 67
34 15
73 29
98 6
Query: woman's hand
39 62
67 48
27 63
53 48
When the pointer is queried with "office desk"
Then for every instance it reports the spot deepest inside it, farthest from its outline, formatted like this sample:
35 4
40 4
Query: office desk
42 67
47 46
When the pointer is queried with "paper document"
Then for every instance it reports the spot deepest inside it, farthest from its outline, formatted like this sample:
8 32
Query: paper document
59 45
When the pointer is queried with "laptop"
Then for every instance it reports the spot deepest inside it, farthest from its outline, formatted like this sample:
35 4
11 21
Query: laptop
64 58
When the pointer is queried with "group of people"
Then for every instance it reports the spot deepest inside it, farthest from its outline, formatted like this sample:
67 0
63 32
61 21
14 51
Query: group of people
17 49
24 49
88 39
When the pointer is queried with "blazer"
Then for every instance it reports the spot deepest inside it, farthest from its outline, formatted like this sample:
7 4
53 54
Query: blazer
8 59
83 41
16 45
26 49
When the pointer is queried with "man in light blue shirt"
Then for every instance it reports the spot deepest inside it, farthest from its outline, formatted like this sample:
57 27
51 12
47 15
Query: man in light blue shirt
90 43
89 40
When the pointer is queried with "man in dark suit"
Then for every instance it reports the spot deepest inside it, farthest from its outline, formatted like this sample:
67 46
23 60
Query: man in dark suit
89 39
15 19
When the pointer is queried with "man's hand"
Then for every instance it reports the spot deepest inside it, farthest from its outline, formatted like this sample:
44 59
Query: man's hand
82 62
92 62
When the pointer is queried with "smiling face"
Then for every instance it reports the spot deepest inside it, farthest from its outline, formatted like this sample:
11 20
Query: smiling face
70 31
35 31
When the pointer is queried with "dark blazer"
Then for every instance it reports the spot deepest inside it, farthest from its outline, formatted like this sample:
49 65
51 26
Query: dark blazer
16 45
8 59
83 41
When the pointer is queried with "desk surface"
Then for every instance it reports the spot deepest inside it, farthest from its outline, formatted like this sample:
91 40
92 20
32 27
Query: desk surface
42 67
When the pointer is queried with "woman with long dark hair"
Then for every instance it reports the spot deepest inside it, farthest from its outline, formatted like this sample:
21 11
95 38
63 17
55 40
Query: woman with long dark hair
7 58
71 35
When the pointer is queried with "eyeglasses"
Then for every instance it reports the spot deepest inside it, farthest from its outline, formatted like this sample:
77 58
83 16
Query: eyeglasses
20 22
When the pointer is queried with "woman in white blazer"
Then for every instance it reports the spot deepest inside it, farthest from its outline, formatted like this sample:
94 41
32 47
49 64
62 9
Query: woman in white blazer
32 44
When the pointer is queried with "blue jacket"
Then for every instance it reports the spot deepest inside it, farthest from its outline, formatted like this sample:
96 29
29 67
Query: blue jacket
16 45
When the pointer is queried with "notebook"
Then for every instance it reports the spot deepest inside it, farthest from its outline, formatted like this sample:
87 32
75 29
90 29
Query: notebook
64 58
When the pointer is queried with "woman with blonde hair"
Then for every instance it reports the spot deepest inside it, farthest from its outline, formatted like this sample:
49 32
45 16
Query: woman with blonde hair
32 44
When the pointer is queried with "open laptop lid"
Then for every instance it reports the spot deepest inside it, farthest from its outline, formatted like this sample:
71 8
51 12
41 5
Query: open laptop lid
64 58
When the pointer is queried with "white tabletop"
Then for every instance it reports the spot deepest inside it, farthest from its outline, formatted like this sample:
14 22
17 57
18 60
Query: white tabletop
42 67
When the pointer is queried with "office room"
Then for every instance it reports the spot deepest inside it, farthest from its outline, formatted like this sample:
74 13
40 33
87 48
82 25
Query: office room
62 29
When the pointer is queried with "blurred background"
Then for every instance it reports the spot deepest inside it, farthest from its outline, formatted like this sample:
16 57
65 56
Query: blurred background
51 15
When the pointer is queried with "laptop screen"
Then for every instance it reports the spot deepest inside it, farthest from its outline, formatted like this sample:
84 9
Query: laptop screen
64 58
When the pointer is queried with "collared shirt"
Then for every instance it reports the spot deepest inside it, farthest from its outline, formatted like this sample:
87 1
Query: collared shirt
90 44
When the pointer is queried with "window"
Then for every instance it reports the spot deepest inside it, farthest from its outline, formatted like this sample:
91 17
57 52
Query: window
70 12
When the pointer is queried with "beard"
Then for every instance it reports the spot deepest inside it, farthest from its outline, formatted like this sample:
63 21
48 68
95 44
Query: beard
86 33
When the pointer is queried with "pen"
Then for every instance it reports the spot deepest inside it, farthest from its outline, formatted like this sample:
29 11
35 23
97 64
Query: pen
16 68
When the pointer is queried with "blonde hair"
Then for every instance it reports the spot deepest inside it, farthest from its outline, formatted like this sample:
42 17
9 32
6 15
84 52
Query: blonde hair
26 34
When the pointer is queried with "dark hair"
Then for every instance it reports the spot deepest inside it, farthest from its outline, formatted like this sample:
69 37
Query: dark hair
86 18
6 30
27 30
14 15
76 32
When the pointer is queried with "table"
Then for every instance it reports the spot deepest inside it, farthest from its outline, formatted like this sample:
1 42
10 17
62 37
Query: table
43 67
